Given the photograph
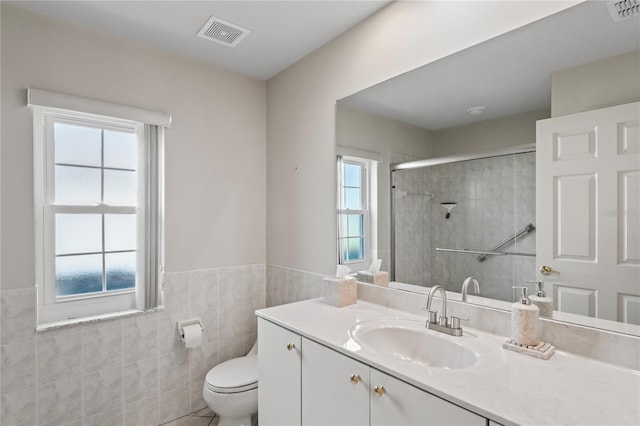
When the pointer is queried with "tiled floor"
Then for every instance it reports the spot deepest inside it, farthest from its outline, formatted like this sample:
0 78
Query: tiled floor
204 417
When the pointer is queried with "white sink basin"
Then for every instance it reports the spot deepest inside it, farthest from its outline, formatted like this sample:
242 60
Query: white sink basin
410 341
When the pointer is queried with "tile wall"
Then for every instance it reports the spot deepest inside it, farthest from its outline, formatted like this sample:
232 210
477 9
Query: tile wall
495 197
286 285
131 371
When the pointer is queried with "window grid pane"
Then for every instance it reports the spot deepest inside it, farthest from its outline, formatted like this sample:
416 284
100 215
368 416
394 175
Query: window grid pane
78 274
93 165
79 145
120 270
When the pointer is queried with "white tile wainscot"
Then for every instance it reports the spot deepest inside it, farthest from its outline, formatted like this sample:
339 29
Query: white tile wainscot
131 370
565 390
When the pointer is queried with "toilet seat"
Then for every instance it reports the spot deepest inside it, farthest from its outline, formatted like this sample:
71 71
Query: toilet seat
234 376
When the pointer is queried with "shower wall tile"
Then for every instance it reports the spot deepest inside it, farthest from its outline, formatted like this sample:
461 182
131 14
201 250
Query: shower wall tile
119 370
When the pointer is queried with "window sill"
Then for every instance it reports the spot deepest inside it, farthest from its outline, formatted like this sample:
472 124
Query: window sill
93 319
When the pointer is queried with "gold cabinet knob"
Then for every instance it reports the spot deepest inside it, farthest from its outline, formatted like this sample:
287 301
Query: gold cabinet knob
355 378
547 270
379 390
291 346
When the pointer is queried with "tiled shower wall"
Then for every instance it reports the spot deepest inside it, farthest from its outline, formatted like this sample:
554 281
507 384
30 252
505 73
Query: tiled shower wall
495 197
131 371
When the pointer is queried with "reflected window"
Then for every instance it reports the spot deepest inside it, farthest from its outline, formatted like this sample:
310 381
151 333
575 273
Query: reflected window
353 209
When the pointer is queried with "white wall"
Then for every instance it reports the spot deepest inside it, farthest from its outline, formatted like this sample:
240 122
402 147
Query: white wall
215 150
134 370
489 134
395 142
301 108
597 84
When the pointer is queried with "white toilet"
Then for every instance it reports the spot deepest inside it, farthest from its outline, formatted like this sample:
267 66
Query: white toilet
231 389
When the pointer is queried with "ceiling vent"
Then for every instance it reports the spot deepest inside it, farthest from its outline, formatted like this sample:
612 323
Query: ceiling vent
623 9
223 32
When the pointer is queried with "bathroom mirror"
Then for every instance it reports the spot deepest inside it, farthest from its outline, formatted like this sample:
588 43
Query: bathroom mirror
472 116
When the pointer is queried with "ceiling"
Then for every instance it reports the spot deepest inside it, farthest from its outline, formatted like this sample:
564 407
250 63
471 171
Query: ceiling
282 32
508 75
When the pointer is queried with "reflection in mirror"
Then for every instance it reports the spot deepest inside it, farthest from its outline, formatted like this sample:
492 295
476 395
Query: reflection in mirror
488 98
458 219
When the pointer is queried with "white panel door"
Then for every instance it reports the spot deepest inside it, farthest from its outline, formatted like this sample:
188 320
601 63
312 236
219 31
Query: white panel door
279 365
335 388
588 211
400 404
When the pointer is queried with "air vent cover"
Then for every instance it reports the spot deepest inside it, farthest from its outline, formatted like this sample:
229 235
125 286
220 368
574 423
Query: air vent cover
223 32
623 9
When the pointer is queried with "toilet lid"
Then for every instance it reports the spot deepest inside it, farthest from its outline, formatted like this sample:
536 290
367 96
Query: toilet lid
235 375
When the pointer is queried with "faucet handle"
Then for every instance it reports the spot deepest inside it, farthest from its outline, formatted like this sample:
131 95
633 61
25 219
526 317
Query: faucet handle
455 321
432 316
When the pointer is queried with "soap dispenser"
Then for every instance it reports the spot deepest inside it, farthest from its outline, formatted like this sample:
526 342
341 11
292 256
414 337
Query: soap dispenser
524 321
544 303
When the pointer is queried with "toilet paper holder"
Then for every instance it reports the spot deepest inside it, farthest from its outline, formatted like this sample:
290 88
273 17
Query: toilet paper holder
182 324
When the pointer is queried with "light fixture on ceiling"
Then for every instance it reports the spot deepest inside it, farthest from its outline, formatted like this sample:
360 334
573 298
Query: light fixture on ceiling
476 110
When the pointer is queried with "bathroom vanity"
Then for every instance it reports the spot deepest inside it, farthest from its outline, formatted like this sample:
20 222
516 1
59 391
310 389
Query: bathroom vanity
370 365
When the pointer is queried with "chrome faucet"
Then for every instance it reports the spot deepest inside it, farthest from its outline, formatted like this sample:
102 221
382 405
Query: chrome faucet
441 324
444 303
465 285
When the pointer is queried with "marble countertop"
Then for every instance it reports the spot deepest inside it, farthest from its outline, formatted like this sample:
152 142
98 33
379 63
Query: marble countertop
520 390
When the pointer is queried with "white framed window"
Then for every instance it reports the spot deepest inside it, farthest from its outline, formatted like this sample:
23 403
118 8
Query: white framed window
98 207
356 187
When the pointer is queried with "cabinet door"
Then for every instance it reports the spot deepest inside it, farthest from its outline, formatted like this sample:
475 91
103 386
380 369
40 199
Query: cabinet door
402 404
335 388
278 375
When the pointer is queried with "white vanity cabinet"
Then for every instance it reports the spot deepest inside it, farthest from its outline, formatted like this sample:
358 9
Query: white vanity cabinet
394 402
335 388
313 385
279 360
